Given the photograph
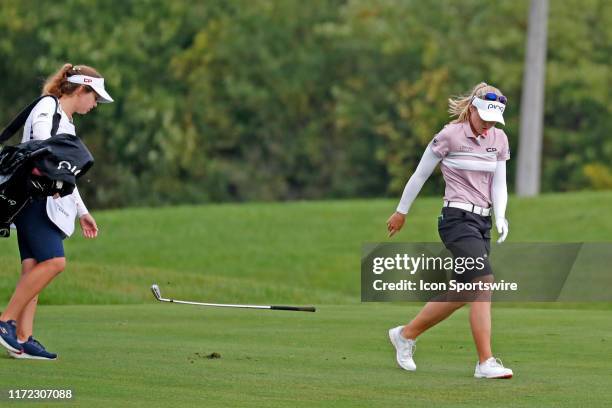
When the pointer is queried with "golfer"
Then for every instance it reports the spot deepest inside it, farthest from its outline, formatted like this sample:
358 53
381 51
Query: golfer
473 156
43 224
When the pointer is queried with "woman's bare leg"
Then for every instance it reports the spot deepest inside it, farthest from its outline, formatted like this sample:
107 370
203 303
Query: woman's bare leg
431 314
480 320
25 322
480 315
30 285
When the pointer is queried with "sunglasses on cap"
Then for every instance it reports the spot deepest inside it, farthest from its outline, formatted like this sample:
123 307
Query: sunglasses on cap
492 96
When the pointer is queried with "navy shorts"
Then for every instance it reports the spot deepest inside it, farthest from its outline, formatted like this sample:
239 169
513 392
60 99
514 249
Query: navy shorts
37 236
466 235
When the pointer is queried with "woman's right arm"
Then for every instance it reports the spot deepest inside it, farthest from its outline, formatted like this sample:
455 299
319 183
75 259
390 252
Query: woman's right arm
426 166
41 130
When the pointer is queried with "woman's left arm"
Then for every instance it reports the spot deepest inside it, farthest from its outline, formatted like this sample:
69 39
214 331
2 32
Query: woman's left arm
500 200
88 223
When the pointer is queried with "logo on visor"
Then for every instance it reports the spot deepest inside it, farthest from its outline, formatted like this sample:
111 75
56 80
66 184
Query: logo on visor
87 80
493 106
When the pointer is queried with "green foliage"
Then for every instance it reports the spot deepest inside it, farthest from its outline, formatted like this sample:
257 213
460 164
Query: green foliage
258 104
272 100
599 176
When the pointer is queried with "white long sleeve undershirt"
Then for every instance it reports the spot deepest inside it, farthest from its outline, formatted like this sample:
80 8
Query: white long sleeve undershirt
426 166
80 205
500 191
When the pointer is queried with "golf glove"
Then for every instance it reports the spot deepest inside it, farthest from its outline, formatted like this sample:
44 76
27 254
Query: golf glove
502 229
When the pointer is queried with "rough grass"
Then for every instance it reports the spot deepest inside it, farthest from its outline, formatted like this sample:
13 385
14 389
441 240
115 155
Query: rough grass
300 252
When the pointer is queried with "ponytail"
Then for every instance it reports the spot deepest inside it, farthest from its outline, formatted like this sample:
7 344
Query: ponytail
53 85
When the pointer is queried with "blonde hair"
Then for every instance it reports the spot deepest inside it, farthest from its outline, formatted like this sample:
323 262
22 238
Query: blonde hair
58 85
459 106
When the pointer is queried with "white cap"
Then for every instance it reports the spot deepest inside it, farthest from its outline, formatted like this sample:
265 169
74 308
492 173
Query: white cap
97 84
490 111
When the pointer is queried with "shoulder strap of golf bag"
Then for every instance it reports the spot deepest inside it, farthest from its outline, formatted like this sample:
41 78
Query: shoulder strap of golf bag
20 119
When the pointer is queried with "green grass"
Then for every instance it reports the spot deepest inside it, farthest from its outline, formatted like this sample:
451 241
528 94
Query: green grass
154 355
300 252
119 347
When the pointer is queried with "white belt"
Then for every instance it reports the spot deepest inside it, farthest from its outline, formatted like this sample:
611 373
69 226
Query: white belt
485 212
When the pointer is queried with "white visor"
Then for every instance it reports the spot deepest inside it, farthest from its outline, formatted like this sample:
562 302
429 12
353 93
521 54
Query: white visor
97 84
490 111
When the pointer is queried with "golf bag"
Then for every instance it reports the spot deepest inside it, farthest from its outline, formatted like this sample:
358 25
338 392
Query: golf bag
37 168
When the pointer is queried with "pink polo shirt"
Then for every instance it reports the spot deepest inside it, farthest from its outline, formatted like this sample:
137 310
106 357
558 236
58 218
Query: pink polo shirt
469 161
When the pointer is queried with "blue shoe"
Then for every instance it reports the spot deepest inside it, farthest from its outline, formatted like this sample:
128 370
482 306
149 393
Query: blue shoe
33 350
8 337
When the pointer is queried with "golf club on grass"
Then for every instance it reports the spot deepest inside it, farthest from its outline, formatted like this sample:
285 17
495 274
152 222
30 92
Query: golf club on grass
157 294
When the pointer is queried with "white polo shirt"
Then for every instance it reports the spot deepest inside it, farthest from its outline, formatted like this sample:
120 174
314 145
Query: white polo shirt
61 211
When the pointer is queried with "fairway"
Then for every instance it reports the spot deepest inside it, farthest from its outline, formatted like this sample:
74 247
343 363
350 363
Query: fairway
155 355
119 347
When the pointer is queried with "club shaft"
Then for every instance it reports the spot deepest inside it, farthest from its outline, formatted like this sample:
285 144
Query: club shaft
157 293
291 308
185 302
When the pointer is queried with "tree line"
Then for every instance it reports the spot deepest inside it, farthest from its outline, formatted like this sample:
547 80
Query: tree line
284 99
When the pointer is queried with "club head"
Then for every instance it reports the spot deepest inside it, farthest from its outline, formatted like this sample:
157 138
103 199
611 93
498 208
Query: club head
156 292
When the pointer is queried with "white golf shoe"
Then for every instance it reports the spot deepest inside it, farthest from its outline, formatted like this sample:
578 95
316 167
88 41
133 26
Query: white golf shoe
404 348
492 368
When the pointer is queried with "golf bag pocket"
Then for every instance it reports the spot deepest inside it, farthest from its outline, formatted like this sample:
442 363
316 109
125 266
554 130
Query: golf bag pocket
38 169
